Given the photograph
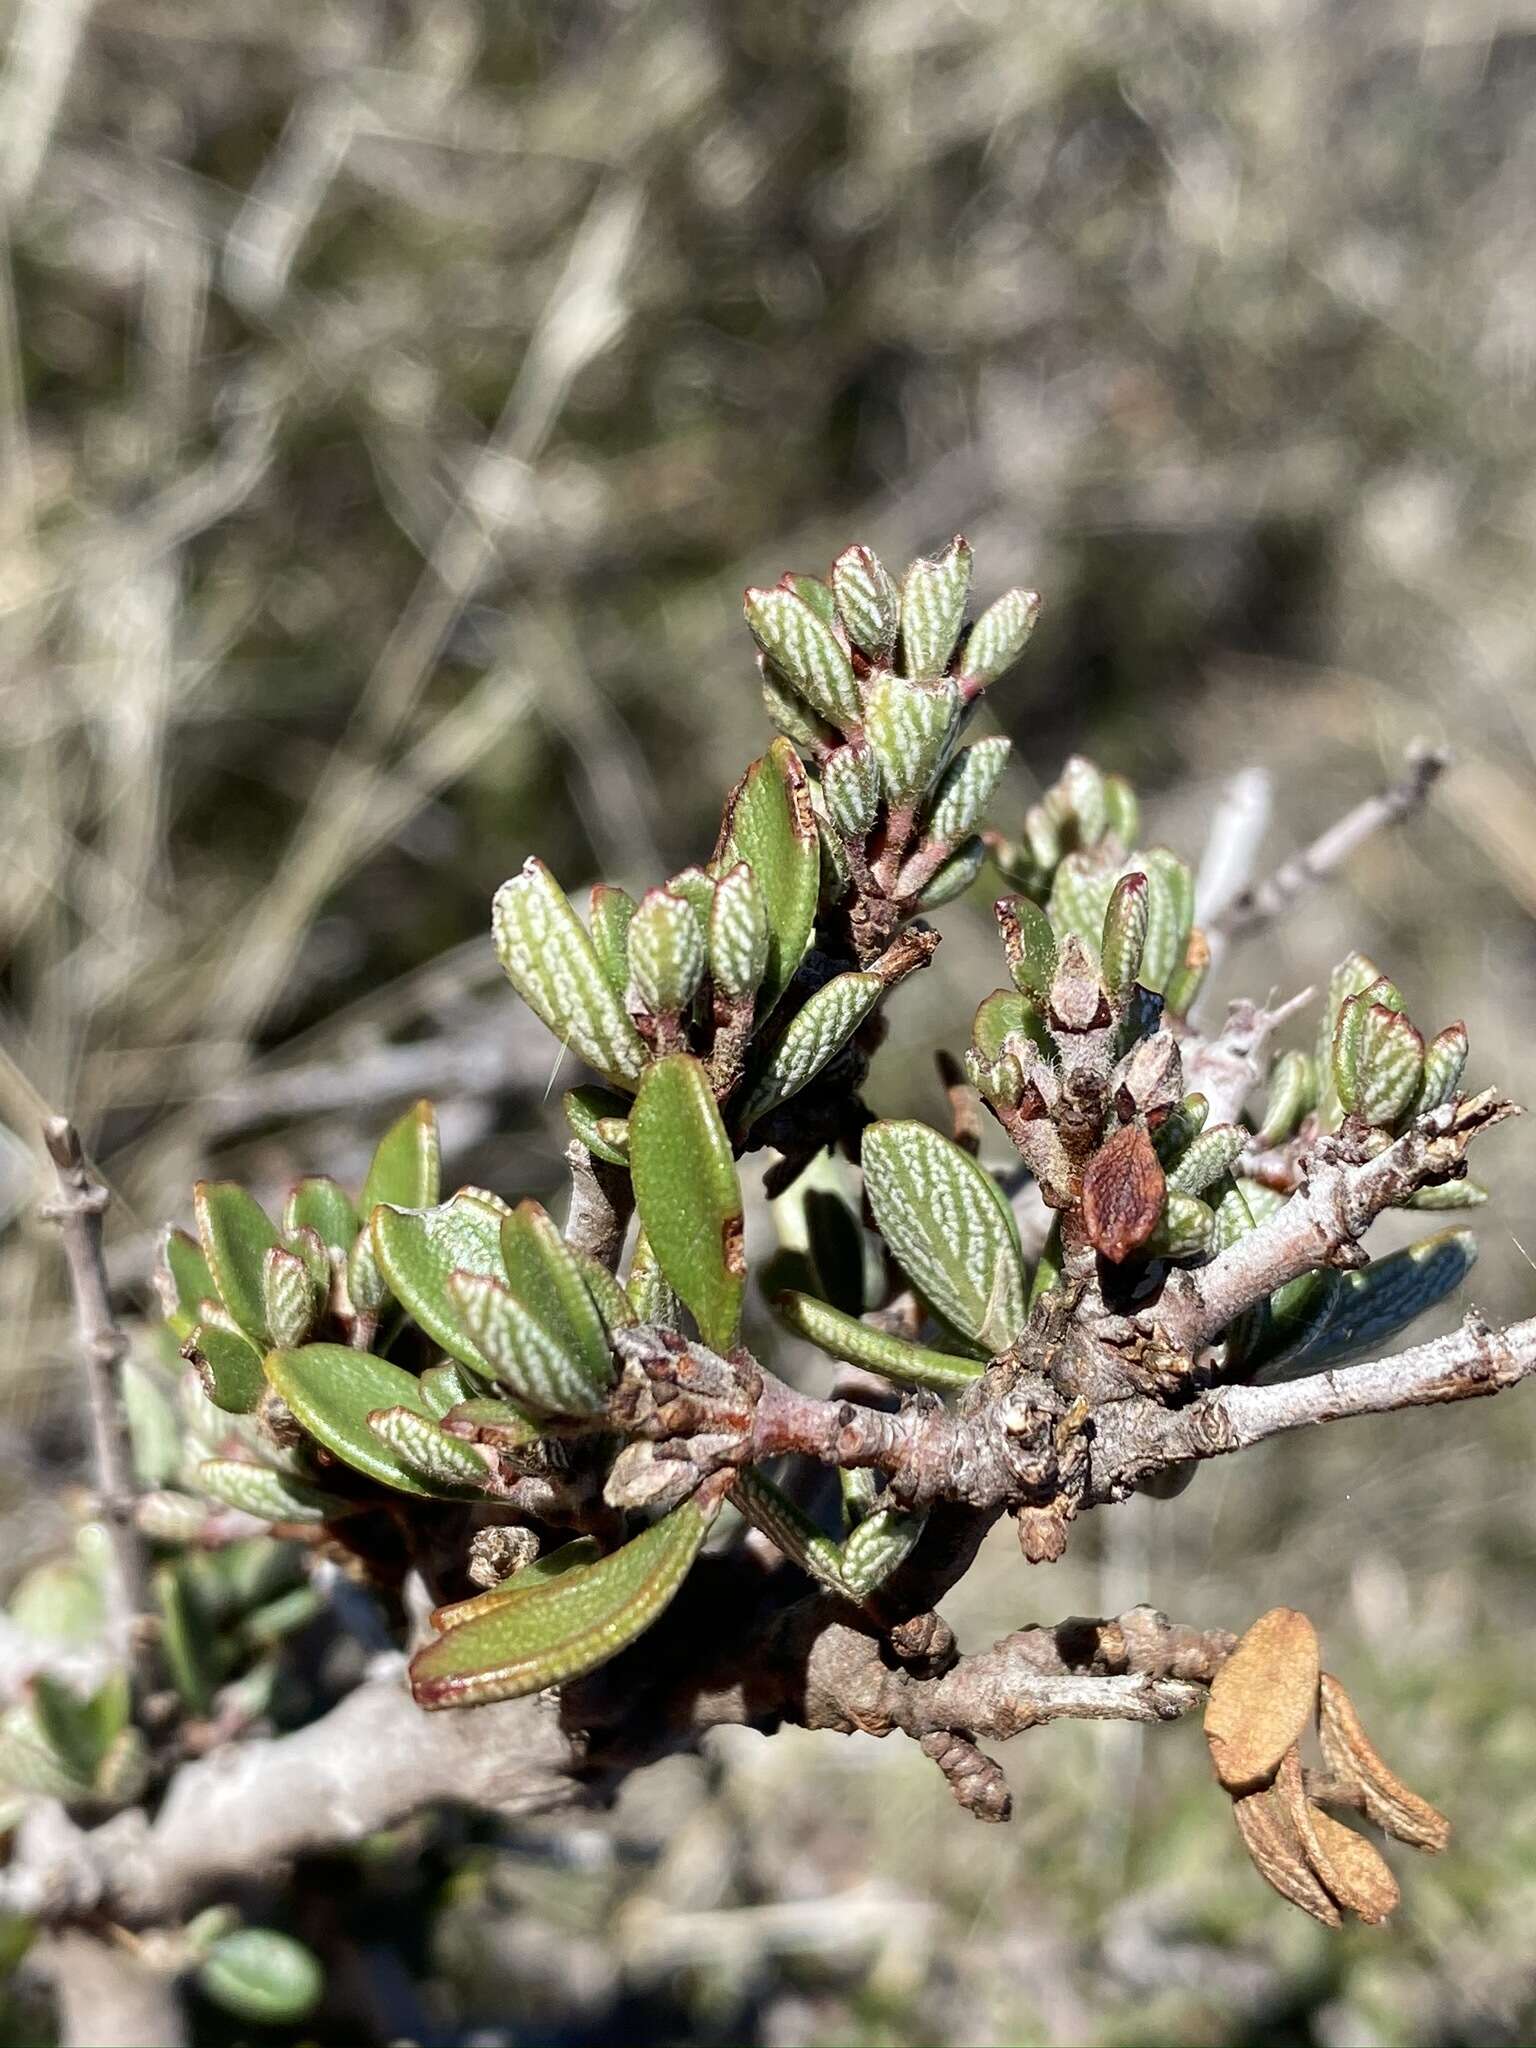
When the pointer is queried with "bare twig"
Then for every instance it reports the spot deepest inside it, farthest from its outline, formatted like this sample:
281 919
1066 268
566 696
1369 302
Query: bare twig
1254 908
602 1200
78 1211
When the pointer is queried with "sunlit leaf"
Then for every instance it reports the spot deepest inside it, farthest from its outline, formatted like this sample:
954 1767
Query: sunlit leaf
406 1166
772 827
332 1391
688 1195
549 959
817 1031
946 1222
236 1235
845 1337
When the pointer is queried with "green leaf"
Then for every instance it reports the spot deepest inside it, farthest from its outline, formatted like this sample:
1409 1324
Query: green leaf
1000 636
490 1419
1186 1227
738 934
444 1463
229 1367
187 1636
1029 944
813 591
1292 1092
806 650
262 1490
647 1289
956 875
910 726
322 1205
581 1551
835 1242
1378 1060
332 1390
688 1195
845 1337
405 1168
569 1625
1368 1308
444 1386
850 788
1080 893
933 599
950 1228
586 1110
697 890
789 714
547 956
1126 922
666 953
236 1236
1080 797
80 1728
543 1273
538 1365
1451 1194
417 1249
966 788
29 1762
876 1547
868 602
1170 913
609 914
1207 1158
1445 1058
812 1037
263 1977
291 1297
154 1433
772 827
182 1280
1122 813
609 1298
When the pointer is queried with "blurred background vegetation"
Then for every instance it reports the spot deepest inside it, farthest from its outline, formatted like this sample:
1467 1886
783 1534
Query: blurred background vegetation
395 396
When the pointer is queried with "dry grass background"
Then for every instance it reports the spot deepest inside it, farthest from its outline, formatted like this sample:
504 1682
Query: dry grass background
394 397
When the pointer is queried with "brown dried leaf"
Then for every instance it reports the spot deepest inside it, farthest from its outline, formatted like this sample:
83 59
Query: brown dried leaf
1271 1839
1123 1191
1351 1870
1262 1698
1387 1800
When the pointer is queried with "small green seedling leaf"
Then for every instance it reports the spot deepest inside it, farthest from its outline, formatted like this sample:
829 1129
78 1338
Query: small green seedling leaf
333 1390
444 1386
966 788
291 1297
771 825
688 1195
910 727
738 934
549 959
444 1463
1029 944
537 1364
850 788
813 1036
845 1337
406 1166
609 915
182 1280
236 1236
666 953
262 1977
565 1627
543 1273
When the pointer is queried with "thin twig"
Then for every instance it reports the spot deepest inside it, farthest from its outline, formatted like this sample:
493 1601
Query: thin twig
1253 909
78 1211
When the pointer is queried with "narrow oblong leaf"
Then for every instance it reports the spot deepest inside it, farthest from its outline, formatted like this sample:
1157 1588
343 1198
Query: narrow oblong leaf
934 592
1170 913
182 1280
803 646
406 1167
910 726
1000 636
1207 1158
1122 1193
417 1249
1080 893
1185 1229
1029 944
813 1036
868 602
856 1343
609 912
549 959
332 1390
537 1364
835 1245
543 1272
738 934
850 787
876 1547
272 1495
771 825
1262 1699
1122 812
688 1194
1445 1059
236 1235
1124 936
445 1463
955 876
608 1297
788 712
966 788
582 1550
946 1222
1389 1064
1292 1092
1387 1801
292 1299
1365 1308
697 890
564 1627
666 953
1279 1855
